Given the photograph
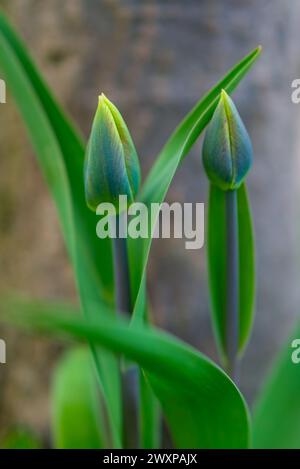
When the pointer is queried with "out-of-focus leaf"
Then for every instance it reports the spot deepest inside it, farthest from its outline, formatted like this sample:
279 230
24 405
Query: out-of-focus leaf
60 154
203 407
276 413
76 415
216 239
20 438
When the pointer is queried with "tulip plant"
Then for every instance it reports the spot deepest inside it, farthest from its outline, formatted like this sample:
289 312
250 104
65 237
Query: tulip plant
227 158
199 400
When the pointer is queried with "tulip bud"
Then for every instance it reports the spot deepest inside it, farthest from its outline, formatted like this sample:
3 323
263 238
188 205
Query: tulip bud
111 165
227 149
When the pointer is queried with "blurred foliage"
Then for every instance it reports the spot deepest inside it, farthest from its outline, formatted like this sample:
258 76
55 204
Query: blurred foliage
20 438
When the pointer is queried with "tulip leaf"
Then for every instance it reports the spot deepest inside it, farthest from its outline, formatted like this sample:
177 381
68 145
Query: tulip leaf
216 241
181 141
60 154
76 414
276 412
202 406
158 182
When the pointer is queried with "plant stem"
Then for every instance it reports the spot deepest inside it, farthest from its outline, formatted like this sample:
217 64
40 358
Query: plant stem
121 269
232 297
123 305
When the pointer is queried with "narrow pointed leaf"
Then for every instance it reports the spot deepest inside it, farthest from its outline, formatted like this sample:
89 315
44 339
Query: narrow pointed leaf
177 147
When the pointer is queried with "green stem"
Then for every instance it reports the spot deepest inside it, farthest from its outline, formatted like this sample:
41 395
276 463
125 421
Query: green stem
232 297
121 269
123 305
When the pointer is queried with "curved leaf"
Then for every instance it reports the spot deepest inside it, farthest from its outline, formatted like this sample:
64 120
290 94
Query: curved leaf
157 184
203 407
216 242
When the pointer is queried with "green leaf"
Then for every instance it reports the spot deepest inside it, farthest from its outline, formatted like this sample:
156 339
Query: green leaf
277 409
189 130
216 242
158 182
76 415
246 266
60 154
20 438
203 407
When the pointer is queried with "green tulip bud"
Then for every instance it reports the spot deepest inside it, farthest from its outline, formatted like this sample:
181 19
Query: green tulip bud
111 164
227 149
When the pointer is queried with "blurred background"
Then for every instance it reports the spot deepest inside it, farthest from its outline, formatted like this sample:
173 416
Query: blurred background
154 60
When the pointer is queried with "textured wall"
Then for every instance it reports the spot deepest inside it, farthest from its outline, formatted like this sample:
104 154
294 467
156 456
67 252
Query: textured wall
154 59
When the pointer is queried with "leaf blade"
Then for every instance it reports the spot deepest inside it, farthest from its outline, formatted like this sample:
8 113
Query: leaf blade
187 384
164 168
276 413
216 253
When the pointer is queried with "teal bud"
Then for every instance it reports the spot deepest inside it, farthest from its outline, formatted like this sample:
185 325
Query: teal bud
227 150
111 163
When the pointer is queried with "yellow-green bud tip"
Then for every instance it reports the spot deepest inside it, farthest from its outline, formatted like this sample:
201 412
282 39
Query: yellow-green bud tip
111 163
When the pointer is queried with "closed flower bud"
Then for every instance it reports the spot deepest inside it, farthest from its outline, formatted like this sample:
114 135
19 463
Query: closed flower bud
111 164
227 149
